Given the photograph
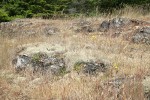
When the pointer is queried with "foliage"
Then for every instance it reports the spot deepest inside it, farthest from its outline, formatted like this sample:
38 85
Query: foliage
50 8
3 16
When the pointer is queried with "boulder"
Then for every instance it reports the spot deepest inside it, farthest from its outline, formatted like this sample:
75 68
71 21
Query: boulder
142 35
91 67
41 59
115 23
40 62
104 26
119 22
21 62
130 29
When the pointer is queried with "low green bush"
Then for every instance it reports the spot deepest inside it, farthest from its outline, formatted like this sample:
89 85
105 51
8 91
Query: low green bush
4 16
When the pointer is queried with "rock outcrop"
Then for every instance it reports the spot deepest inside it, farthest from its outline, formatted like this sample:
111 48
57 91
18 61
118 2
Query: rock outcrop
142 36
116 23
130 29
91 67
41 59
40 62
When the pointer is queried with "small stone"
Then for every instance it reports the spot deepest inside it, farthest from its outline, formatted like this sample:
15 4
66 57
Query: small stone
104 26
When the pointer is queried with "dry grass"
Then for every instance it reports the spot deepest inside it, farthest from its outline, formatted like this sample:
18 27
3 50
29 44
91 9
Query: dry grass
131 59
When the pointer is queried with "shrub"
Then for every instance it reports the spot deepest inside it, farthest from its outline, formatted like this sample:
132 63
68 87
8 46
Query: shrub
4 16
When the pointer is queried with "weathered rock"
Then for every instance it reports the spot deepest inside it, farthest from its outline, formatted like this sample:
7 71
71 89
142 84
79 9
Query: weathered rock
91 67
142 36
104 26
119 22
114 24
21 62
128 29
82 26
40 62
44 58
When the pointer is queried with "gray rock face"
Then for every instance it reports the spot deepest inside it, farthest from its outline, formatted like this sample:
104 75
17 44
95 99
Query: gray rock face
21 62
91 67
40 62
104 26
119 22
142 36
113 24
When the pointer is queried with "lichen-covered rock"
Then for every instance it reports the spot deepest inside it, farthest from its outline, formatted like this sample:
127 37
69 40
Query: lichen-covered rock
21 62
126 28
104 26
115 23
119 22
91 67
40 62
41 57
142 36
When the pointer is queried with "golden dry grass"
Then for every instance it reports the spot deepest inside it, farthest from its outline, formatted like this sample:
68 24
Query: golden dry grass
130 59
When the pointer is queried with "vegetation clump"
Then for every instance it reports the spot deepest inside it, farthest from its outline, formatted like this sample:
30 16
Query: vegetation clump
61 8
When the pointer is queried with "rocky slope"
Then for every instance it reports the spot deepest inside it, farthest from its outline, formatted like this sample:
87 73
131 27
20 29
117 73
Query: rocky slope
113 53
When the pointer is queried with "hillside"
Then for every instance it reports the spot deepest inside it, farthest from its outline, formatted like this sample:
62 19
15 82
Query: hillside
94 58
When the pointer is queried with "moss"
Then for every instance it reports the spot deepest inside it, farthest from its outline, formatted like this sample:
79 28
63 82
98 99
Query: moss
62 71
36 57
78 66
